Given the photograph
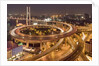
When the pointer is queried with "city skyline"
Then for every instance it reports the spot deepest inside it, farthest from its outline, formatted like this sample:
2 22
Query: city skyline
50 9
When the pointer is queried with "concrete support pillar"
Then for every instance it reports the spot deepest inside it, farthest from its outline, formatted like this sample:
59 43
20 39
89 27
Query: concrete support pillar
27 44
61 25
52 55
41 46
48 44
45 46
65 42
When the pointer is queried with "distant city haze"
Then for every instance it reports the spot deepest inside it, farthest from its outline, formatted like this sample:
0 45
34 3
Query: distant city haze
50 9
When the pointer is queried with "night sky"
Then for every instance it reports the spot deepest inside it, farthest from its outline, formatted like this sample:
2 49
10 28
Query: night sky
49 9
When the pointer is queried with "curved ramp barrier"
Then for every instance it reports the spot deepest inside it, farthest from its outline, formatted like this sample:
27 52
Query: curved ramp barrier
67 31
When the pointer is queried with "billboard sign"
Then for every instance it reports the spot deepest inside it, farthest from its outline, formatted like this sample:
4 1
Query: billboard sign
17 50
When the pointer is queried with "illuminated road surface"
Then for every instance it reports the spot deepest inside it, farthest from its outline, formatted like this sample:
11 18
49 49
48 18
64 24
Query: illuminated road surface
68 53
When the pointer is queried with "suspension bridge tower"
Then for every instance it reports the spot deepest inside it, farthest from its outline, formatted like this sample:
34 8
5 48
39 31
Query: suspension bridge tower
28 16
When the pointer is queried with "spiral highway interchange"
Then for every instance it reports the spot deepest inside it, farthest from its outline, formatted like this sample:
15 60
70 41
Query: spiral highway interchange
65 37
